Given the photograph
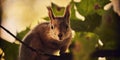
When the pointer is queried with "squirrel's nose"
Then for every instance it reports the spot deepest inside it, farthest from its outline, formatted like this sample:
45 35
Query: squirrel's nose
60 35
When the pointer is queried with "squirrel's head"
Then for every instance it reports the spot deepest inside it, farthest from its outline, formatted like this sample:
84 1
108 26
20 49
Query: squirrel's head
60 26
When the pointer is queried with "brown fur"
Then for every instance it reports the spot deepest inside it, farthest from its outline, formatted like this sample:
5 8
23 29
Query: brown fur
48 37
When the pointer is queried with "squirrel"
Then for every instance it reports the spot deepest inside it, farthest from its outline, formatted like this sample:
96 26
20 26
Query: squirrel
48 37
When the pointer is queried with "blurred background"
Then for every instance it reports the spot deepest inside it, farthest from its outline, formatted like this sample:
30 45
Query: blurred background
95 24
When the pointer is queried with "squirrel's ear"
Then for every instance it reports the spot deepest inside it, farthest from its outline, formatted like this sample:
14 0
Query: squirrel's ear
50 13
67 11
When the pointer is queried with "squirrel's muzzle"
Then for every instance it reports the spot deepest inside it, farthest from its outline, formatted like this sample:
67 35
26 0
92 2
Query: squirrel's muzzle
60 36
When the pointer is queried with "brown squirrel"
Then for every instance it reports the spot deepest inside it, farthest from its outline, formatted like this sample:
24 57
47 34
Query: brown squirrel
48 37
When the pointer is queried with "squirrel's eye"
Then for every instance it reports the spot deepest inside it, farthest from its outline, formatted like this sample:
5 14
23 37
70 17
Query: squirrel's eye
52 27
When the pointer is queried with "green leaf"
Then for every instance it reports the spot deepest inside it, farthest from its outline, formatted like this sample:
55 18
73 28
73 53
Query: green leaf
21 34
46 18
10 49
73 15
89 7
58 11
90 24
